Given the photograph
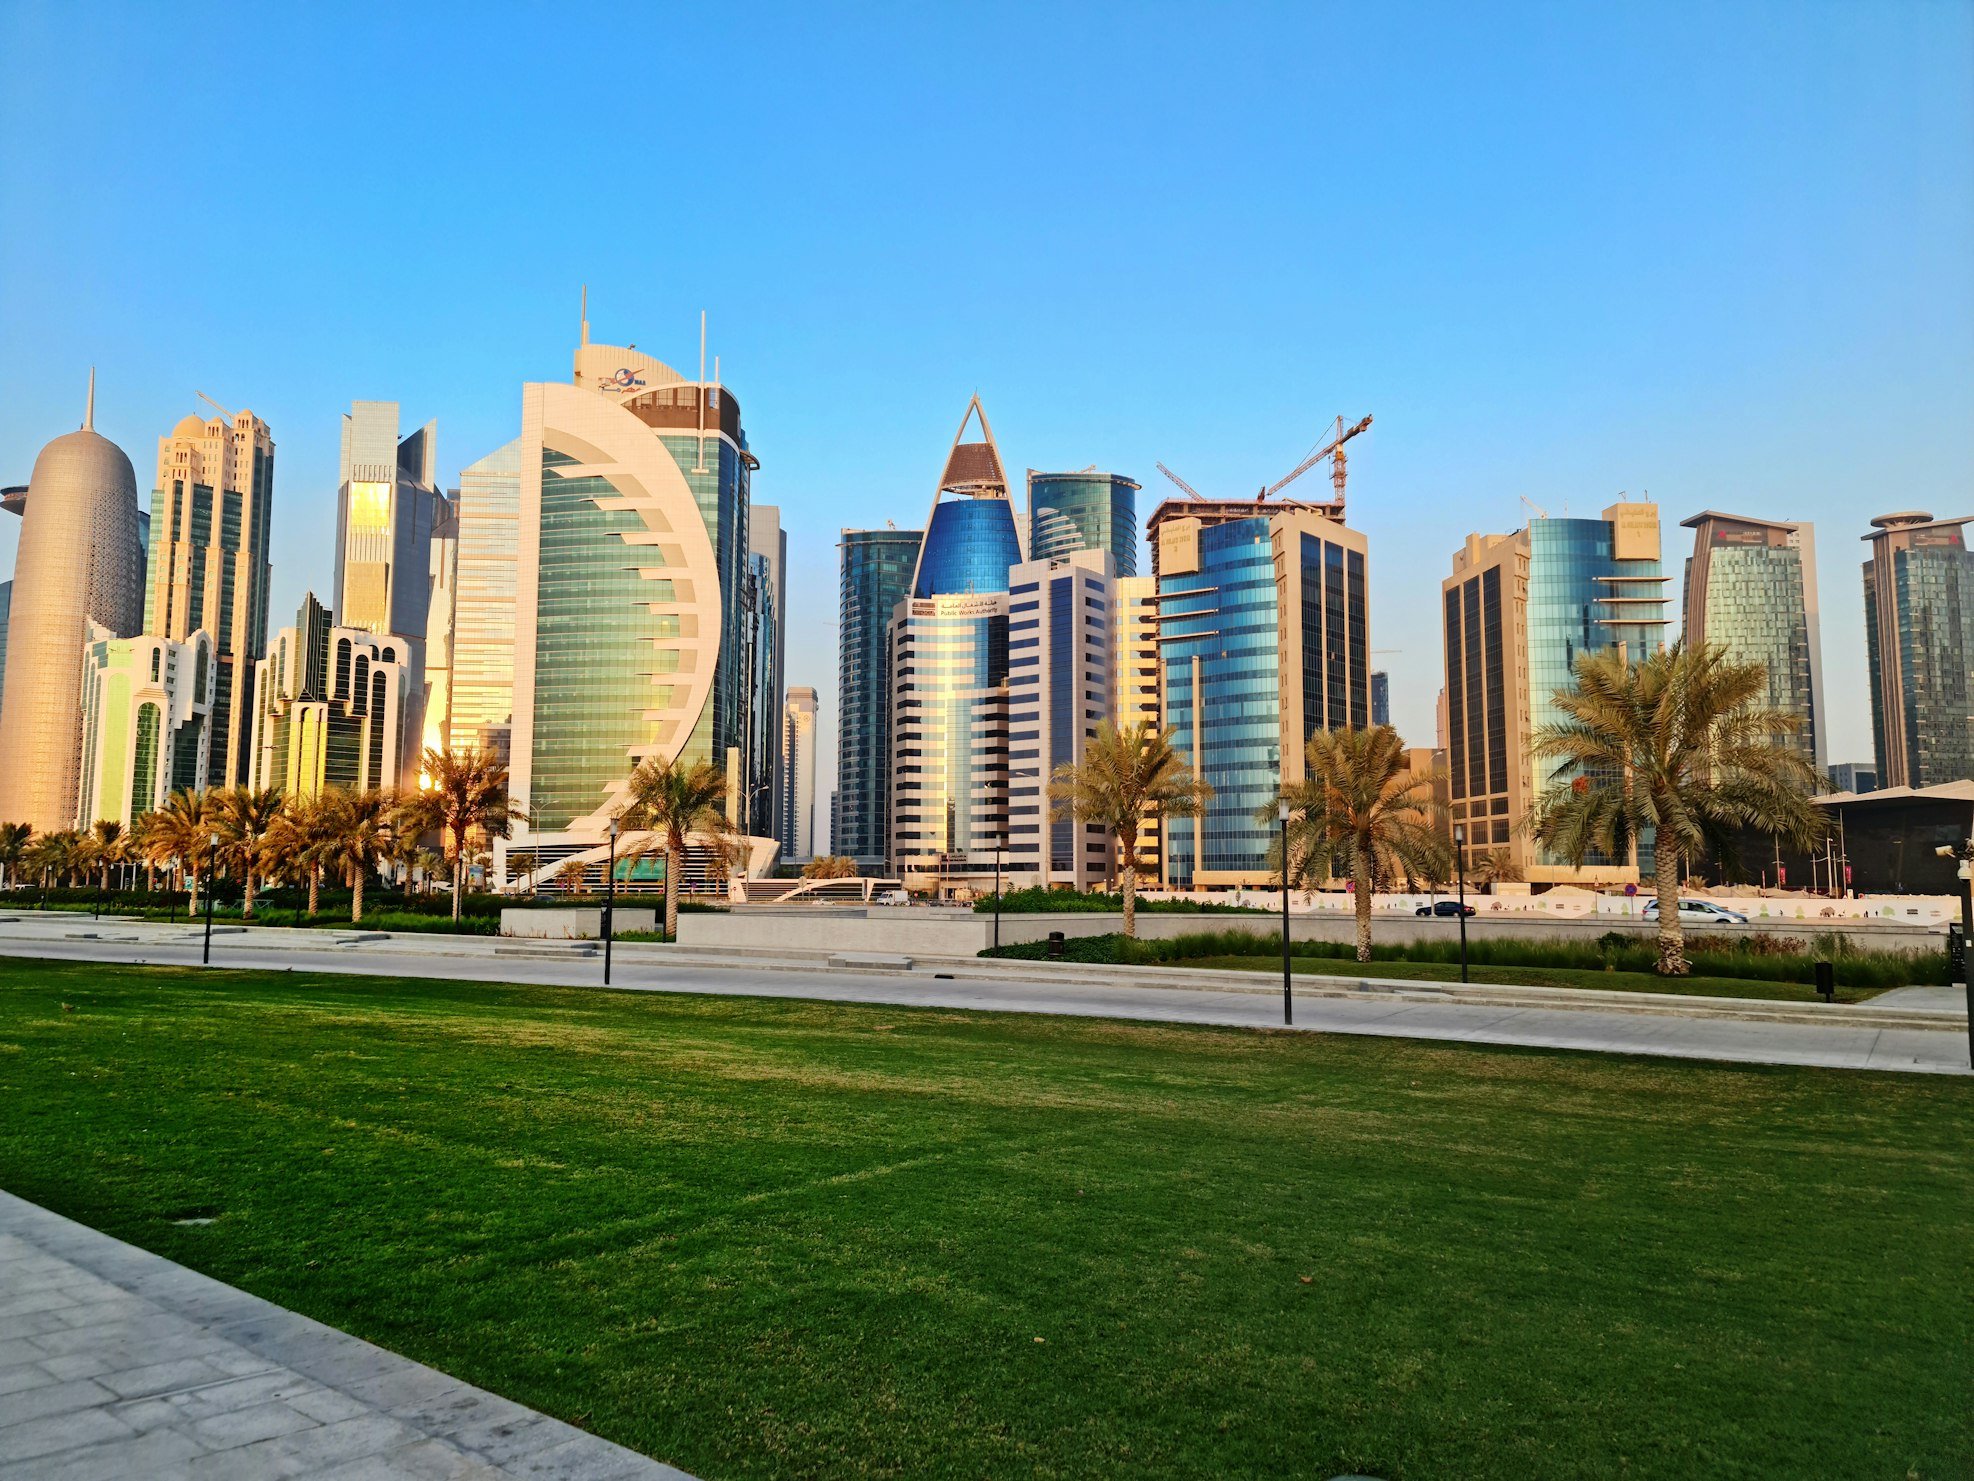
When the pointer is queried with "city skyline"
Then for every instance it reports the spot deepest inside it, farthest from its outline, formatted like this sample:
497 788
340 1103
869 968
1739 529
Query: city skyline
1527 316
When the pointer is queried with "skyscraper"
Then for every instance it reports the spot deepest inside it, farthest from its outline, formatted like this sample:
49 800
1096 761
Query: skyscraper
387 512
766 645
798 774
6 608
210 512
1751 589
876 574
146 708
632 562
330 707
1518 609
1919 635
1068 512
1062 678
1265 638
482 676
435 704
1380 697
76 564
949 674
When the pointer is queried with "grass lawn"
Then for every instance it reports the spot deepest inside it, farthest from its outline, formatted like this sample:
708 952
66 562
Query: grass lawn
1707 987
779 1239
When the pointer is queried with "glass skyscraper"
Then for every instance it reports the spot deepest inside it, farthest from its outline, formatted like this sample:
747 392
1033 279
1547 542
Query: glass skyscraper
1919 633
629 629
949 674
1517 611
1068 512
876 574
1751 589
1264 639
208 563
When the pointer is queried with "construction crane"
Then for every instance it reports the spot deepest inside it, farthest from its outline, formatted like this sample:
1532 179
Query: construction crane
214 405
1333 449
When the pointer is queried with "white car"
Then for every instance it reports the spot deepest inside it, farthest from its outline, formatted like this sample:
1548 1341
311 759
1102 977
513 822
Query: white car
1700 912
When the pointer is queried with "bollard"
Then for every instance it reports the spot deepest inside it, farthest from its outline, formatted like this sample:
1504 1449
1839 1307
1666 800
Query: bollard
1826 981
1055 943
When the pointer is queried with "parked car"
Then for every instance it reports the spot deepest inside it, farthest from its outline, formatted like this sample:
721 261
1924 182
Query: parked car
1445 907
1700 913
891 897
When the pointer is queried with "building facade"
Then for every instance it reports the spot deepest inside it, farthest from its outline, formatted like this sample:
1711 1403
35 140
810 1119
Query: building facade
1919 636
1062 686
6 610
949 675
211 511
757 809
482 676
877 567
1750 588
1856 777
629 635
76 564
1068 512
1517 611
147 705
1380 697
797 811
1264 638
330 708
435 700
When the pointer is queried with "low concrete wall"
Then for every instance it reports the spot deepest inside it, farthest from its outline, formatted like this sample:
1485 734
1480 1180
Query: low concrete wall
576 922
922 931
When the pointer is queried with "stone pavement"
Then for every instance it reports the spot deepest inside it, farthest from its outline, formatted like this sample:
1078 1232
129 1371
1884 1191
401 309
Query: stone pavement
116 1365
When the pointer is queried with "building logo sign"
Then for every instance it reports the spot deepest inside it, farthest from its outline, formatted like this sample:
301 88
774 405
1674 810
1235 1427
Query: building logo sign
625 380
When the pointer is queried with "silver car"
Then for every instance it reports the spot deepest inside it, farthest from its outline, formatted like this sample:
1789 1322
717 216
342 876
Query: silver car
1700 913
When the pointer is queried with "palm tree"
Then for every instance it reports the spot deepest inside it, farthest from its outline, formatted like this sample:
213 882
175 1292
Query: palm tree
298 838
675 800
1677 745
1360 810
14 839
107 836
358 838
45 856
1125 777
244 816
831 866
571 875
178 834
468 794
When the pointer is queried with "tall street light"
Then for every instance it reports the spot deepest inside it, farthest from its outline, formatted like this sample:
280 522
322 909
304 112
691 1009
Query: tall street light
1000 842
1460 869
212 864
1288 1001
609 901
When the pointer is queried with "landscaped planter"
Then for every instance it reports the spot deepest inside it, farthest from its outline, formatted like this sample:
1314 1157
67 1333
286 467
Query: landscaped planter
574 922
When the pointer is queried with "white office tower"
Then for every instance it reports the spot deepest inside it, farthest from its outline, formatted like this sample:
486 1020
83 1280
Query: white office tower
797 808
1061 689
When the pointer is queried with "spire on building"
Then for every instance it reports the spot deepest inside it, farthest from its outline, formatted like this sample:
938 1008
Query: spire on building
89 412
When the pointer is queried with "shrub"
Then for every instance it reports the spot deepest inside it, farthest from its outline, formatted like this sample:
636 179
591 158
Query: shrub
1068 902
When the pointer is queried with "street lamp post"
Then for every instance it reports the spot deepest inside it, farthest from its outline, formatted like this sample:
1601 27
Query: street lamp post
1460 871
1288 999
1000 842
1963 852
609 902
212 865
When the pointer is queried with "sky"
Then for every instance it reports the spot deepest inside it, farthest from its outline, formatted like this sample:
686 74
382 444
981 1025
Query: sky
1717 255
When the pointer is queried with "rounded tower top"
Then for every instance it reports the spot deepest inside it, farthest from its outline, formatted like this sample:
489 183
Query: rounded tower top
1899 521
81 463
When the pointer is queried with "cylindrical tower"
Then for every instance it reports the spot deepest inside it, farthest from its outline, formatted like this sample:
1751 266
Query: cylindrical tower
77 563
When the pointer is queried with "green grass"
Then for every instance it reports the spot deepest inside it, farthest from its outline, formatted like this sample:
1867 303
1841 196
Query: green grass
786 1239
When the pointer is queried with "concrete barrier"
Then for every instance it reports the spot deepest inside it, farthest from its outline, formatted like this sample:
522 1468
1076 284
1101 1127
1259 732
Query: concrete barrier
575 922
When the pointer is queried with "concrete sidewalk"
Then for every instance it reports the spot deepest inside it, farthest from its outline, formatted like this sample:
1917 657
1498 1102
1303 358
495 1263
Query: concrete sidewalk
1922 1040
117 1364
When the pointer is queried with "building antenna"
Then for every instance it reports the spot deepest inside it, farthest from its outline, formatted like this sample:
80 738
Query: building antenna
585 313
89 412
700 466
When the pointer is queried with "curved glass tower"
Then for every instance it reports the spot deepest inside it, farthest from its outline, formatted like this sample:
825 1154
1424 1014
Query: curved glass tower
1068 512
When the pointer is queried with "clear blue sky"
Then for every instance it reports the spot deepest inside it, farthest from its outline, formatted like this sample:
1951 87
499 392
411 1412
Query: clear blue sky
1723 253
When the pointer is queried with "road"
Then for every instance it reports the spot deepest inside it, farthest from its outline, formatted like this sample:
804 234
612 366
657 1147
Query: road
1705 1033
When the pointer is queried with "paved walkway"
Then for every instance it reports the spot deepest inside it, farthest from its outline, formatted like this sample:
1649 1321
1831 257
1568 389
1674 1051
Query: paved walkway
117 1365
1416 1011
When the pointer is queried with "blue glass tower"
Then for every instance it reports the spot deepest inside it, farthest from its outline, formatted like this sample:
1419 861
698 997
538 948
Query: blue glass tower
876 575
1068 512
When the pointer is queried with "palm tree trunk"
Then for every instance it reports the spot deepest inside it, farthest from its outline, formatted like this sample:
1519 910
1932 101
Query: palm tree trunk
1672 938
314 888
1128 877
458 869
356 896
1360 875
674 858
247 902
